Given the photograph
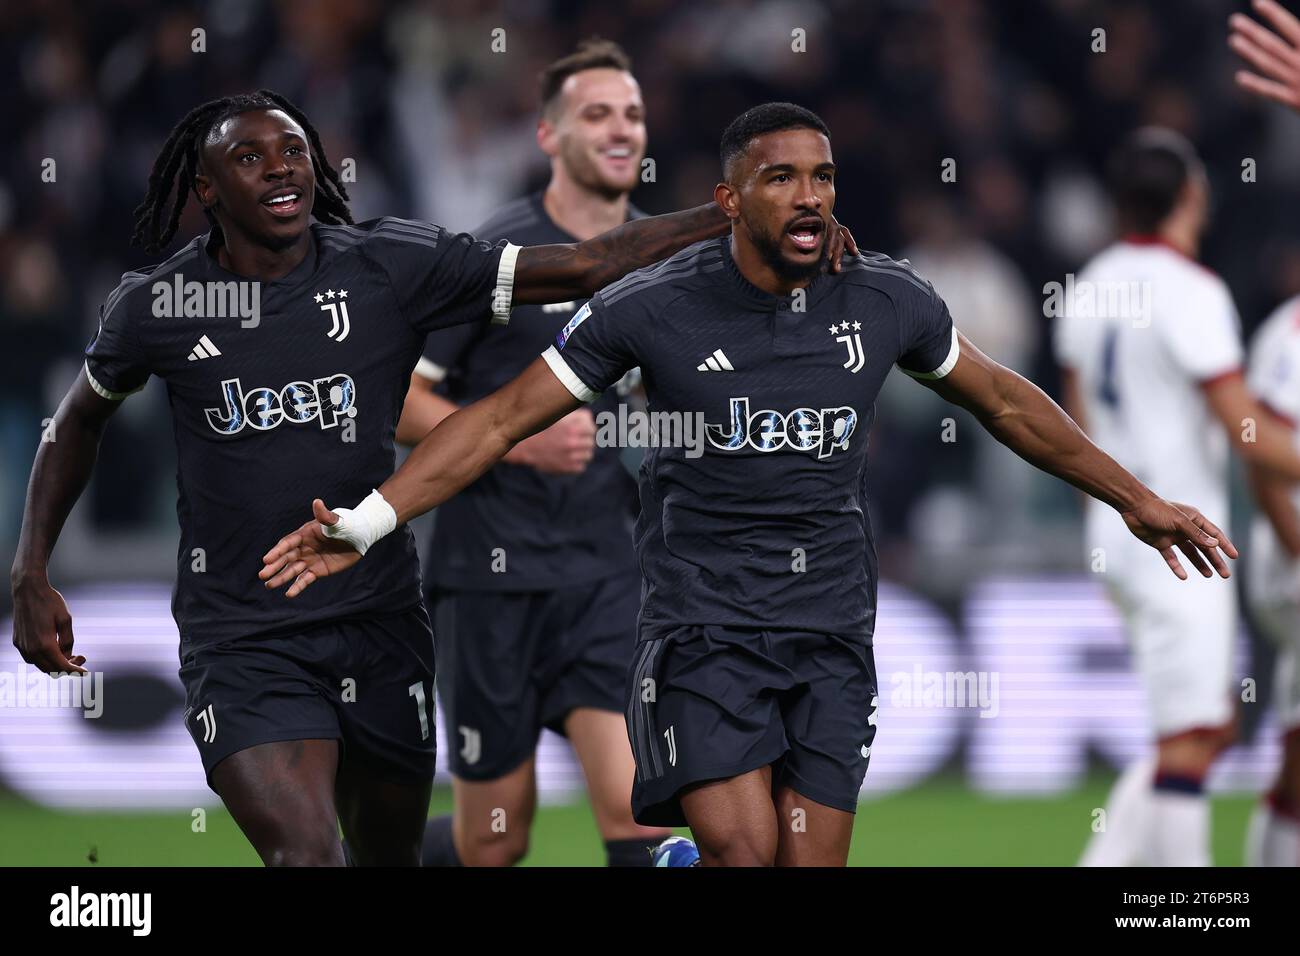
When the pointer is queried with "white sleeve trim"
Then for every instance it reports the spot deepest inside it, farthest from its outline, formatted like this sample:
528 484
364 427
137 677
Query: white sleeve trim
503 294
104 392
953 353
430 370
566 375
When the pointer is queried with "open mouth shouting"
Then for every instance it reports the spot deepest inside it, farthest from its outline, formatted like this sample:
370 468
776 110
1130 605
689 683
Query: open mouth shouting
806 234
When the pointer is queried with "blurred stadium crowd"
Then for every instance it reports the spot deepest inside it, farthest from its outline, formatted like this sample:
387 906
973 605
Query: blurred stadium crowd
441 128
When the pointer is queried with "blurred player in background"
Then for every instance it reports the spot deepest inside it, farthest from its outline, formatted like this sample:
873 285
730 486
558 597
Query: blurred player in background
752 700
307 715
1274 583
532 581
1150 349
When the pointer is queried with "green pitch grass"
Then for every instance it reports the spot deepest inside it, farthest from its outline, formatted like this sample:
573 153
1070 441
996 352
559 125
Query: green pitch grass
938 824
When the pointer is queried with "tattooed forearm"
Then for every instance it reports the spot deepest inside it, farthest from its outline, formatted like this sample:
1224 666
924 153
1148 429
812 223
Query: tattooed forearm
559 272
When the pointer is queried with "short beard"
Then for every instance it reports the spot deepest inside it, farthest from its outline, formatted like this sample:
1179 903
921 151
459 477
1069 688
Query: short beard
583 172
769 249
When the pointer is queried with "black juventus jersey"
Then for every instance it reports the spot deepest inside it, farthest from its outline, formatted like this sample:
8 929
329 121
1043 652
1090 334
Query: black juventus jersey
761 523
287 390
551 530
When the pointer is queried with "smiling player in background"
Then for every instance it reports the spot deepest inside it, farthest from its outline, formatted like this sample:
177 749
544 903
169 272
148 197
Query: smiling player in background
532 581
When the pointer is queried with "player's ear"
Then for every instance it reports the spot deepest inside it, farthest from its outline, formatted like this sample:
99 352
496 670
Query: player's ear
728 198
204 190
204 187
547 138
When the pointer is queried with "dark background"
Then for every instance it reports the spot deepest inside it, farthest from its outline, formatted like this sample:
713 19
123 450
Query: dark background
441 128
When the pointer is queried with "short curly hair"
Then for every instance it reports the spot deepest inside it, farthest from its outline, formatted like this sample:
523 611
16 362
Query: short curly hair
767 118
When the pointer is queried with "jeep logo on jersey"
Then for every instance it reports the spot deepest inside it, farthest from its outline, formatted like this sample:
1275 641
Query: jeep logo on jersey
323 399
804 429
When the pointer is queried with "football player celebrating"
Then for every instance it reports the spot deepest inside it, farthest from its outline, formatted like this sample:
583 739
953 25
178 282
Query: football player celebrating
287 348
751 701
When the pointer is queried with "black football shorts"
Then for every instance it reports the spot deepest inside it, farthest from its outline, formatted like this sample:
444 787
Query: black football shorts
367 683
707 703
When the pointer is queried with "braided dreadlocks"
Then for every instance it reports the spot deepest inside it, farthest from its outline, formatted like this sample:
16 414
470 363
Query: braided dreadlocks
174 169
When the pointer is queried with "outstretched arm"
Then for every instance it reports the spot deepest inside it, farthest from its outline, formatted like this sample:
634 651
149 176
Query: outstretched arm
463 446
1018 414
578 270
42 623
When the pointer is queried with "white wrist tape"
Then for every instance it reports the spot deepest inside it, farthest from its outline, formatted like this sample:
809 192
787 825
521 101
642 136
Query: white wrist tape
365 524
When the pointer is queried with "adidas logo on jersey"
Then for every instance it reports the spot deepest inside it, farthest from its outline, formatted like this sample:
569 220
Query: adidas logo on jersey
205 349
717 362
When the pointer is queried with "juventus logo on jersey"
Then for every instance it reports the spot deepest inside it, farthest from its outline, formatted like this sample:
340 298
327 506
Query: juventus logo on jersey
340 325
857 357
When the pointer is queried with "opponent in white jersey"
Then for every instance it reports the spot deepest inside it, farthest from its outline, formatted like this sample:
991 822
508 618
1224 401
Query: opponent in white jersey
1273 583
1150 345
